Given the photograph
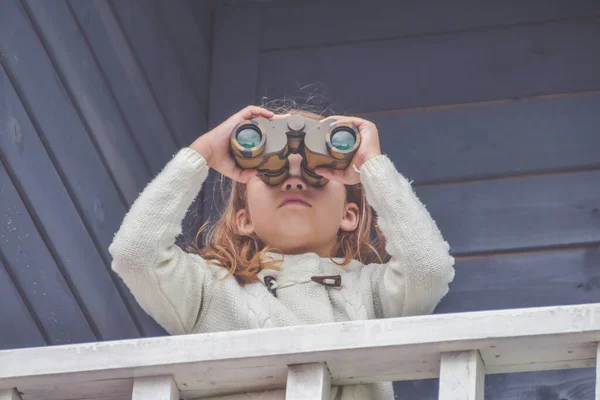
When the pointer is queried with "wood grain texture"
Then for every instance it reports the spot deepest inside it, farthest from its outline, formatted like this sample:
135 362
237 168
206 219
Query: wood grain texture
493 139
81 87
125 79
109 152
355 352
189 44
322 23
518 213
166 78
62 176
233 80
118 389
9 394
155 388
24 251
454 68
598 372
538 279
18 326
462 376
575 384
308 381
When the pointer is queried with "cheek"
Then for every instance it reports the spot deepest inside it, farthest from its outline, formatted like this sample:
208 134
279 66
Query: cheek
333 200
260 201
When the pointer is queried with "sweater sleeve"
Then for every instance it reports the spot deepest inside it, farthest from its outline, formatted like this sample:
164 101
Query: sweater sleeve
418 274
167 282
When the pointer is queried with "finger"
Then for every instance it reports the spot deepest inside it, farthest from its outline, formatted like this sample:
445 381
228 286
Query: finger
242 175
247 174
280 116
252 111
353 120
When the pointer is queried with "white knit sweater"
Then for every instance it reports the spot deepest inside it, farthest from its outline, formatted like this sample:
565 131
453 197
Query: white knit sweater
184 293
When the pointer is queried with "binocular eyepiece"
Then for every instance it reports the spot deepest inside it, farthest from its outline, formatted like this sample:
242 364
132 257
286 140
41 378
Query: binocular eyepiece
265 145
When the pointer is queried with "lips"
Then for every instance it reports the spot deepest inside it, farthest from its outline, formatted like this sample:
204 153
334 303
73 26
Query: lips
294 199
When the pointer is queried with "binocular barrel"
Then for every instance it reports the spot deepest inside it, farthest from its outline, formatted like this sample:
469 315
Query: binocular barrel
265 145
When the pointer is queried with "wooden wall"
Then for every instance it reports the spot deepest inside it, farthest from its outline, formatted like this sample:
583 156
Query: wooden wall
95 98
492 108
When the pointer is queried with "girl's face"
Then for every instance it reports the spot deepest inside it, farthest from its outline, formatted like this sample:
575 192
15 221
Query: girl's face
294 217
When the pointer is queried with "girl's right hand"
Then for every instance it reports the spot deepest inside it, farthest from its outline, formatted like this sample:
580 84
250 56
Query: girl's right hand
214 145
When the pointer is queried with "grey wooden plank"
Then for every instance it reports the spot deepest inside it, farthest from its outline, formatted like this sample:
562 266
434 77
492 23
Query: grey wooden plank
88 201
234 78
433 70
115 389
202 12
165 76
295 23
18 328
517 213
189 44
542 279
574 384
120 72
24 152
517 281
82 77
35 269
493 139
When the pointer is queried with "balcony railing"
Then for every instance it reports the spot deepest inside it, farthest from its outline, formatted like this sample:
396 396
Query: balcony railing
304 361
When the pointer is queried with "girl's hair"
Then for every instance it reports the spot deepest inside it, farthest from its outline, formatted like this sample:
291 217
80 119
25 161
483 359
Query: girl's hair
245 255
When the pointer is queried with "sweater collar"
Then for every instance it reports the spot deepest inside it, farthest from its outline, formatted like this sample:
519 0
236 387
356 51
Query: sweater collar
297 266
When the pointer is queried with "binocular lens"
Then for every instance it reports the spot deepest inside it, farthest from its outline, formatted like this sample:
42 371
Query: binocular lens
343 139
248 137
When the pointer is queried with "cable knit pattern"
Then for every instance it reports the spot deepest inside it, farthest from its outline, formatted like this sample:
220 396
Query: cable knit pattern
186 294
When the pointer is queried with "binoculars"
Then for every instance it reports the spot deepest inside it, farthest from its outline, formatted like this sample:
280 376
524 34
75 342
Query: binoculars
265 145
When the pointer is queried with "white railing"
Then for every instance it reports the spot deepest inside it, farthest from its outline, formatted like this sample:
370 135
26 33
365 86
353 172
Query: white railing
460 349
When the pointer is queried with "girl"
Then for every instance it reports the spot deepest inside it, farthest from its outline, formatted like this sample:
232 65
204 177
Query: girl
267 261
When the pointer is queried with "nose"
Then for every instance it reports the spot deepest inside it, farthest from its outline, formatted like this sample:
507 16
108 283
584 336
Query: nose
294 179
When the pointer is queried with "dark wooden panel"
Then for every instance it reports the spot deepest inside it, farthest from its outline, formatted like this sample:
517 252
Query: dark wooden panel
121 73
79 195
493 139
34 267
574 384
517 213
454 68
524 280
326 22
82 77
165 76
202 12
234 75
517 281
189 44
25 154
18 327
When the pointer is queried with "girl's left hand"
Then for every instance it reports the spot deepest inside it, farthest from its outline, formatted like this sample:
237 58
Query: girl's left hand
369 148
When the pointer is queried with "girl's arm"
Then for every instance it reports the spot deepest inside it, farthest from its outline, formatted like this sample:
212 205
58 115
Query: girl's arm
167 282
417 276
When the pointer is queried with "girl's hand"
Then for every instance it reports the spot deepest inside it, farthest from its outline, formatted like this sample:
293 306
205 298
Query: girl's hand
214 145
369 148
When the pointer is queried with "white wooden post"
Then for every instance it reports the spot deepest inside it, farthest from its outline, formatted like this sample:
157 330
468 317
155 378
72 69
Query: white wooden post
9 394
155 388
598 372
308 381
462 376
